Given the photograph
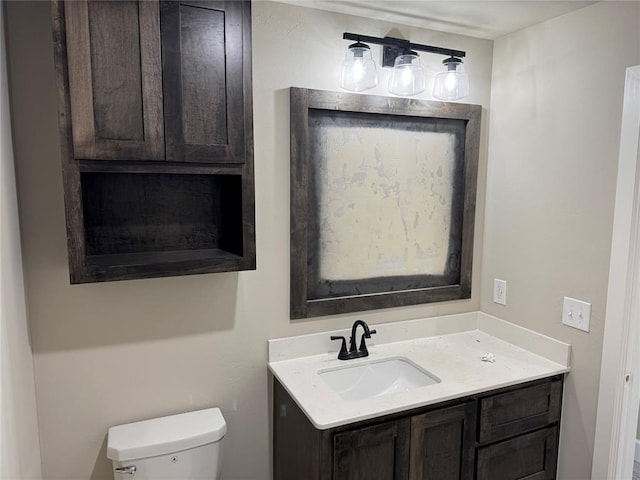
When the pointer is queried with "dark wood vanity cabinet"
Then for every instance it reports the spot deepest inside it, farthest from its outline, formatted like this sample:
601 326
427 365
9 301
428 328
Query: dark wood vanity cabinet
507 434
155 113
380 451
442 443
531 456
518 433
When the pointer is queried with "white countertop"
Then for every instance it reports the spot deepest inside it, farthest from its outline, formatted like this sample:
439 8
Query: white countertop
454 358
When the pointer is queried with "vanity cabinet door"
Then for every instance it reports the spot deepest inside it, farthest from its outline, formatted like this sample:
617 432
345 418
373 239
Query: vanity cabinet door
115 79
442 444
533 456
380 452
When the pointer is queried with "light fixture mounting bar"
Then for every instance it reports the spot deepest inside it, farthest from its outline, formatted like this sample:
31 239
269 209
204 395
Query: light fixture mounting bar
401 44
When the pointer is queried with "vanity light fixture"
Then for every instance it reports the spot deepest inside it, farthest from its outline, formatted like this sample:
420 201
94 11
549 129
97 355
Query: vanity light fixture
407 77
358 69
452 84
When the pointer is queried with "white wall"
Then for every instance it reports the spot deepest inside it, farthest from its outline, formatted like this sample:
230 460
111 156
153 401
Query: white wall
20 447
556 106
122 351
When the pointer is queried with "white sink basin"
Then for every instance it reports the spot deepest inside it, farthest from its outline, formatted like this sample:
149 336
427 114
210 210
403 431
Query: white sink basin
377 377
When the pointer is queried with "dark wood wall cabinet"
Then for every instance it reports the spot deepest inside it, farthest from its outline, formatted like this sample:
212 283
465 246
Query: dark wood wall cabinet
506 434
155 114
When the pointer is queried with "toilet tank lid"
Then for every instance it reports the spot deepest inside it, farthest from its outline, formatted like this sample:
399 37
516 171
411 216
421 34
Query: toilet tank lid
160 436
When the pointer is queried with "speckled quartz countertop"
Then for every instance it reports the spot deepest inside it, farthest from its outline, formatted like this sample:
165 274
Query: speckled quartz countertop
452 354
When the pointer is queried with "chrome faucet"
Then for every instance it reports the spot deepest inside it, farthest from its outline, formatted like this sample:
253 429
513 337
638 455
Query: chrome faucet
353 351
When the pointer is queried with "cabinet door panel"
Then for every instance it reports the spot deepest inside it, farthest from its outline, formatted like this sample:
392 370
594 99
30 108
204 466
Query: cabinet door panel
115 81
203 81
532 457
204 102
442 444
373 453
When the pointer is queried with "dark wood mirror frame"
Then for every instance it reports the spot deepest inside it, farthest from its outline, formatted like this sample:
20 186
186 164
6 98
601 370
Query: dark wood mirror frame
313 296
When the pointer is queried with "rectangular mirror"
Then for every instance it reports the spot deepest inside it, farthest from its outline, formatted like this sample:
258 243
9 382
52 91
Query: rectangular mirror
382 201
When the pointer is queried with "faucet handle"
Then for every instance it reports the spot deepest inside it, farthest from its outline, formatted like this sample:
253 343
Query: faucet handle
363 346
343 355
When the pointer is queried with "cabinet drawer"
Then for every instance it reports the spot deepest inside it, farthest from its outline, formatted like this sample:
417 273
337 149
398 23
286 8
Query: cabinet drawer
532 456
519 411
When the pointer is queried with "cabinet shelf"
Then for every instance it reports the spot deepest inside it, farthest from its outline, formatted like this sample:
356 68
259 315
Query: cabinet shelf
140 166
102 268
200 257
149 224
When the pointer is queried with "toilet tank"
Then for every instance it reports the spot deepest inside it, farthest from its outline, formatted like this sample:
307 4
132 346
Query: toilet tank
187 446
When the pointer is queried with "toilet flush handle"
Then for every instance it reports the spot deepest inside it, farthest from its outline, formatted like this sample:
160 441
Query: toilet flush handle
130 470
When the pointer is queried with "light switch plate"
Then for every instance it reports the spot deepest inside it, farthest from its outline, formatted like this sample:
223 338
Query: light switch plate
576 313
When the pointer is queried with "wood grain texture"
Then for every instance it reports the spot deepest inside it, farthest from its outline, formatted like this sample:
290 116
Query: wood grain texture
380 452
144 213
248 175
473 114
442 444
115 80
299 140
334 306
165 256
166 264
296 443
204 102
160 167
204 76
509 413
533 456
302 303
184 218
70 174
437 443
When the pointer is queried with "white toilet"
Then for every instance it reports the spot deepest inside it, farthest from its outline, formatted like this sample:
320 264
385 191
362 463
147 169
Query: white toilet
187 446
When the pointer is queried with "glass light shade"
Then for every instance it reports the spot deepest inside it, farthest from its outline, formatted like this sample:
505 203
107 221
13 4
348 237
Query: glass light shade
452 84
407 76
358 69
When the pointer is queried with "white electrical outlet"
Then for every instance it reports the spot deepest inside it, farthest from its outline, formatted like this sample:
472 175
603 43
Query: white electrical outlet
500 291
576 313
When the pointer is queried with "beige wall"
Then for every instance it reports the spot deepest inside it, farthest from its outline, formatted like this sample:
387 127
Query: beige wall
20 447
556 106
122 351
